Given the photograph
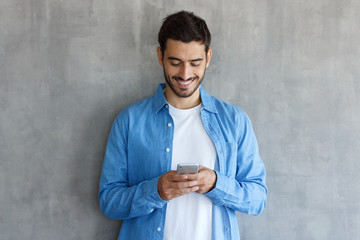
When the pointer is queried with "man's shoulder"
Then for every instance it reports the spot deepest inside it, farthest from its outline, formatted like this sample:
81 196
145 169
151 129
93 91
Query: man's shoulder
232 116
140 106
226 107
135 109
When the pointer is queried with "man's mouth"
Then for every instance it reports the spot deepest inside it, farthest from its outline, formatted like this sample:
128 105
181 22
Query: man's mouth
183 83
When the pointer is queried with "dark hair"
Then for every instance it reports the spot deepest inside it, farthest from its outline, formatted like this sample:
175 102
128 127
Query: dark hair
185 27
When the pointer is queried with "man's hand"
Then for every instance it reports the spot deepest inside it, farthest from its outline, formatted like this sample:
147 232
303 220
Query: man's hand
206 179
172 185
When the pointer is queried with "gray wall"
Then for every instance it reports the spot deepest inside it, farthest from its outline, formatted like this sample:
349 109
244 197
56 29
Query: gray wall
68 67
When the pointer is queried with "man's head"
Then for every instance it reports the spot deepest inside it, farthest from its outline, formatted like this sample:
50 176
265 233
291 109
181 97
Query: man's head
184 53
185 27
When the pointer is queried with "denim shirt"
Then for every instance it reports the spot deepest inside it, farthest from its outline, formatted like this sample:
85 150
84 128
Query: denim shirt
139 151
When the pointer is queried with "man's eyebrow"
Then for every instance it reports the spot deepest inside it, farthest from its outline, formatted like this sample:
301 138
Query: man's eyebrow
174 58
197 59
177 59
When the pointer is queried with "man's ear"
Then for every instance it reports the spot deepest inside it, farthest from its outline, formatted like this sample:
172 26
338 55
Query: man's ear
208 57
160 56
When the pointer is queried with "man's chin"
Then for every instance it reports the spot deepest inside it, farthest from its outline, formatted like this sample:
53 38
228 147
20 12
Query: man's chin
186 92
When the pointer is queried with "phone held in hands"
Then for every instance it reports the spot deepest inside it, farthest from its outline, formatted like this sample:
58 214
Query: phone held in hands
187 168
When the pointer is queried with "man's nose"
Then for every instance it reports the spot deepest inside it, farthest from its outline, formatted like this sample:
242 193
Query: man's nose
185 72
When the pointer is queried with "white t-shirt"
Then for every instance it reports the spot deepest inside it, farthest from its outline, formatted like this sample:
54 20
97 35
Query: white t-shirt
190 216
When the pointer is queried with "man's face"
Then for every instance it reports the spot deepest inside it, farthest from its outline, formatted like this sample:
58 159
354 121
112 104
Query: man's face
184 66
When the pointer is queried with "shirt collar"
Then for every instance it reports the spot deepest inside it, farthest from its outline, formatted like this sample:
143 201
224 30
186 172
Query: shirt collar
207 101
159 100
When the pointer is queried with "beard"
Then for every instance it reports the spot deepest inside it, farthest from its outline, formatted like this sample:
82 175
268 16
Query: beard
179 93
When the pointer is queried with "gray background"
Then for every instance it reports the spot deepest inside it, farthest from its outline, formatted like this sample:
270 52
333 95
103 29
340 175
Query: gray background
68 67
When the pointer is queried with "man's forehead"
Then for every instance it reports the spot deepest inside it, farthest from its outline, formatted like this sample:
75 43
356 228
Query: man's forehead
178 49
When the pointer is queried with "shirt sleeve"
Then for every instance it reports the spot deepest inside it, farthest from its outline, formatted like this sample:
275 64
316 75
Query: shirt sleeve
246 191
119 200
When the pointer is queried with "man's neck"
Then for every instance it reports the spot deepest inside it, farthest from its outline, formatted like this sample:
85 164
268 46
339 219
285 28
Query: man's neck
182 103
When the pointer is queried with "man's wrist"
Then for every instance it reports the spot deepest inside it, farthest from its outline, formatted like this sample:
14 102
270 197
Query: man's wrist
213 181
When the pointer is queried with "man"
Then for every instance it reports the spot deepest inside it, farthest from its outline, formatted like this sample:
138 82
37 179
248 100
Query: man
181 123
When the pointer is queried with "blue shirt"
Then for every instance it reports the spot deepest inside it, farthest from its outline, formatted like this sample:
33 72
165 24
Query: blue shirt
139 151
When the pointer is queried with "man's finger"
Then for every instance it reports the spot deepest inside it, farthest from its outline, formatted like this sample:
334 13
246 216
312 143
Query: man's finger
182 185
201 167
186 190
179 178
192 177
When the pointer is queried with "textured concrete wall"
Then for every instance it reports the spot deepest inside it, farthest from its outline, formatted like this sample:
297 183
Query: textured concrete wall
68 67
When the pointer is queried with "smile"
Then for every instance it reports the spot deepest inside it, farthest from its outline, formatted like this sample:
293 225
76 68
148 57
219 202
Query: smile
185 82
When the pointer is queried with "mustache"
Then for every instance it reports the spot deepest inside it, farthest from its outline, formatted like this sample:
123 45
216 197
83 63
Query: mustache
177 78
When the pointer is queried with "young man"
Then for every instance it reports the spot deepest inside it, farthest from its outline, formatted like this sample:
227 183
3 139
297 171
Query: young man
181 123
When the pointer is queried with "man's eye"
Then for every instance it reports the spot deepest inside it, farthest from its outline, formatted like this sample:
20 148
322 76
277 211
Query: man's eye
195 64
175 64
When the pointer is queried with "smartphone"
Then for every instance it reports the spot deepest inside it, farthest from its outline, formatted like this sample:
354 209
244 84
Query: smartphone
187 168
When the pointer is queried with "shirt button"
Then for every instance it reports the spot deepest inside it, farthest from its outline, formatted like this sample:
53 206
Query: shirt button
169 124
158 229
166 106
151 210
167 149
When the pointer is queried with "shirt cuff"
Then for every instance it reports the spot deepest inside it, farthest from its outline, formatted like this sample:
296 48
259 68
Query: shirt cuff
151 191
219 192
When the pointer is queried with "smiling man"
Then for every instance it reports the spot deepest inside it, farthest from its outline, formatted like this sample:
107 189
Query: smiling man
184 66
181 123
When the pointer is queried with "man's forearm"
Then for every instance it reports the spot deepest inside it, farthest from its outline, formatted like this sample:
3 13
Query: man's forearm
247 196
117 201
